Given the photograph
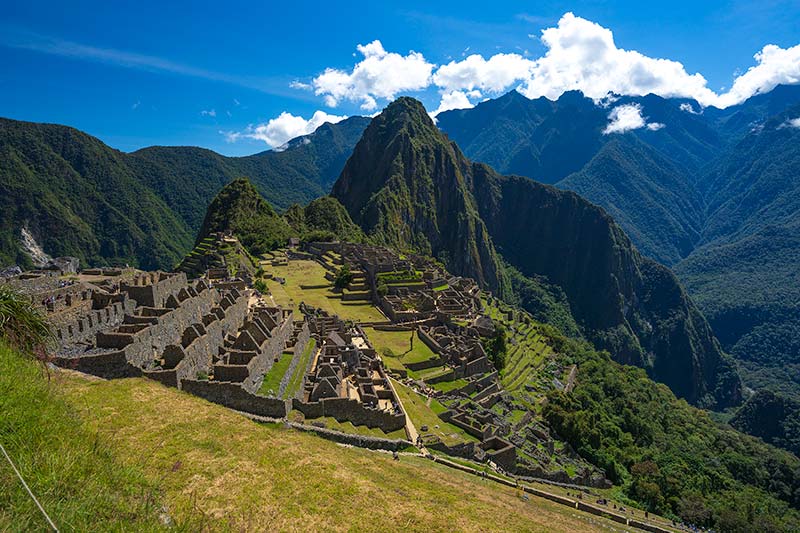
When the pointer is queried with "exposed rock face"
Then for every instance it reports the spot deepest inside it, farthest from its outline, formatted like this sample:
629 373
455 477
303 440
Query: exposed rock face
408 187
29 245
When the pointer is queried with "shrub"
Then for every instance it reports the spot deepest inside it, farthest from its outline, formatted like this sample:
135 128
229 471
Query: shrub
22 325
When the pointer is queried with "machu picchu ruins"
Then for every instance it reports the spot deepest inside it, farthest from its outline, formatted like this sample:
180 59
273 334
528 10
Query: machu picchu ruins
206 330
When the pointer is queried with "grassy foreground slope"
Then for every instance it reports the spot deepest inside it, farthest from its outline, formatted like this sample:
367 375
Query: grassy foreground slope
134 455
70 467
240 475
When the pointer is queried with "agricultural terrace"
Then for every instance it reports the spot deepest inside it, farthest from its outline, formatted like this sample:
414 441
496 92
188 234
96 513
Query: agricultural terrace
424 412
305 282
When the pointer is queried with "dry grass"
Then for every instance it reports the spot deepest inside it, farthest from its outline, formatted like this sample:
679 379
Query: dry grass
231 473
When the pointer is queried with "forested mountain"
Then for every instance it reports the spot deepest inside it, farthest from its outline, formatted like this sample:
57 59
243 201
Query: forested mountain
408 187
711 192
188 177
745 275
77 196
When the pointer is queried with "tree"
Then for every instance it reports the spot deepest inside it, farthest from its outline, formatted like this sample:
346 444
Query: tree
496 348
343 277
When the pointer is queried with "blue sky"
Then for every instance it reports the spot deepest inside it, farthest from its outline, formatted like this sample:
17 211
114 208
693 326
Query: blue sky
214 74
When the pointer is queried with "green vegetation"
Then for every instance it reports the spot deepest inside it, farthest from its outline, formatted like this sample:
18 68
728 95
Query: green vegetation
772 417
422 413
400 277
343 277
300 370
669 456
240 209
323 219
496 348
400 345
79 197
304 273
272 379
21 324
71 468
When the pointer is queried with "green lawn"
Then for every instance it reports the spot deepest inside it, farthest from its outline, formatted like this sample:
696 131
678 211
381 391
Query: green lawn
309 273
297 377
272 379
424 415
447 386
399 342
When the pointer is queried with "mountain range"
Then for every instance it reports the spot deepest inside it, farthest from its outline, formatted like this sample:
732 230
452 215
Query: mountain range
76 196
710 192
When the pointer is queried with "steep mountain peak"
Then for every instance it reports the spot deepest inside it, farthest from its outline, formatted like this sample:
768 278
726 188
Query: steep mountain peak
405 186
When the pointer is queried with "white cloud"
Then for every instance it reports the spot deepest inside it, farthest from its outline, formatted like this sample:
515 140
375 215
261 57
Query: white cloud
209 112
494 75
628 117
580 55
380 75
456 100
283 128
688 108
625 118
775 66
791 123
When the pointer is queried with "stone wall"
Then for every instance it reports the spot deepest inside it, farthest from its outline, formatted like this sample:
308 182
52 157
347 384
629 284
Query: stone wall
198 355
85 327
145 345
272 349
235 397
347 410
362 441
109 365
152 289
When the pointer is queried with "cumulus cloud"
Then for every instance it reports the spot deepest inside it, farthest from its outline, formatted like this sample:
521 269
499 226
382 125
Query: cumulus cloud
208 113
380 75
625 118
456 100
775 66
629 117
580 55
496 74
277 131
